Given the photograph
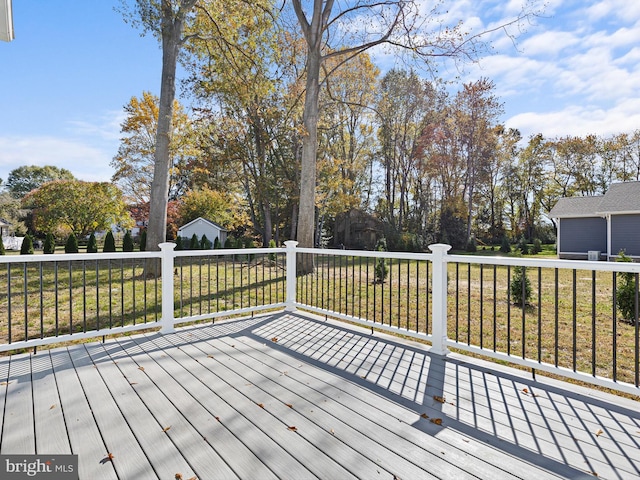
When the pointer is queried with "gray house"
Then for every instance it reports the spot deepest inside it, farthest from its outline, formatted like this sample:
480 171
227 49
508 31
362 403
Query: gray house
201 226
599 227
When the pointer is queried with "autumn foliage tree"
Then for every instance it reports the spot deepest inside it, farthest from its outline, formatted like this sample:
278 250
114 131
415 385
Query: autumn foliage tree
65 206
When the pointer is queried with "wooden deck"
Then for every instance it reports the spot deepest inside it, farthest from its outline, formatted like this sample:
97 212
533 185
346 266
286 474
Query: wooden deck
291 396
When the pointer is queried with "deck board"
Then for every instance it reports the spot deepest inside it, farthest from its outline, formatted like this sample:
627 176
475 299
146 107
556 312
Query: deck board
162 454
217 401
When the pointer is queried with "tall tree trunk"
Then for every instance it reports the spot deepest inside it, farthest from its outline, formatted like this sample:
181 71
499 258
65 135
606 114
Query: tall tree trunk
171 25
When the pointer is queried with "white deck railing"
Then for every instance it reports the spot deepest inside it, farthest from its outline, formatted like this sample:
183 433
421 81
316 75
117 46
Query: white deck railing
570 326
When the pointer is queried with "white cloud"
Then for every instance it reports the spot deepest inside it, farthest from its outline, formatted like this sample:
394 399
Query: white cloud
86 162
579 120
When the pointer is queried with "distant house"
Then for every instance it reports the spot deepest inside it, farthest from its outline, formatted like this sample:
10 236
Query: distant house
201 226
600 226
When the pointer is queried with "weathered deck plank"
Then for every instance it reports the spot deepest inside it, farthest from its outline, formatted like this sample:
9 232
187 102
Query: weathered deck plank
217 401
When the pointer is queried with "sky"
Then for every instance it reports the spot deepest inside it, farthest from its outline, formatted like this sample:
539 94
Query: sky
75 64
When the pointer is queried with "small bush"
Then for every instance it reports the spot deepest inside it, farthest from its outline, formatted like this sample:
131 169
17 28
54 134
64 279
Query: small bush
72 244
523 246
381 268
520 286
109 243
272 244
143 241
229 243
2 250
216 244
127 242
179 243
505 246
205 244
626 291
92 244
49 244
27 245
195 243
537 246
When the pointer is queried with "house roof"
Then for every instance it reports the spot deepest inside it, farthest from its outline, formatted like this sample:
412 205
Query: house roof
576 207
203 220
621 198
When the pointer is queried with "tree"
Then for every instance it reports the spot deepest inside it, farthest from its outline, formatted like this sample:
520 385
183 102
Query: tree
220 207
143 241
109 243
23 180
74 206
134 162
399 25
194 243
165 19
520 286
49 244
2 250
92 244
27 245
626 291
72 244
127 242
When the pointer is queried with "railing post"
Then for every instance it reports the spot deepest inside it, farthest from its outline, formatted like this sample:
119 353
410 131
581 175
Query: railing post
291 275
439 283
167 319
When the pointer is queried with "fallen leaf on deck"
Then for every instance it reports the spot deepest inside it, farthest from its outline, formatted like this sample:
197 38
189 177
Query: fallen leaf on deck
292 428
424 415
525 391
217 418
274 339
52 407
260 405
178 476
437 421
193 478
141 368
133 383
291 406
332 431
438 398
109 458
209 356
166 428
599 432
6 383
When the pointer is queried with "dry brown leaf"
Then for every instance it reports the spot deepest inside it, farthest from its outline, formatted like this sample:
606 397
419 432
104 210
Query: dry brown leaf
166 428
438 398
261 405
52 407
141 368
437 421
274 339
209 356
292 428
424 415
217 418
289 405
6 383
332 431
133 383
599 432
109 458
193 478
525 391
178 476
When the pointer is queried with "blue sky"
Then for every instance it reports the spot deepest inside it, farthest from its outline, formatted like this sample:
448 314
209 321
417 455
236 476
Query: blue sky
74 64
